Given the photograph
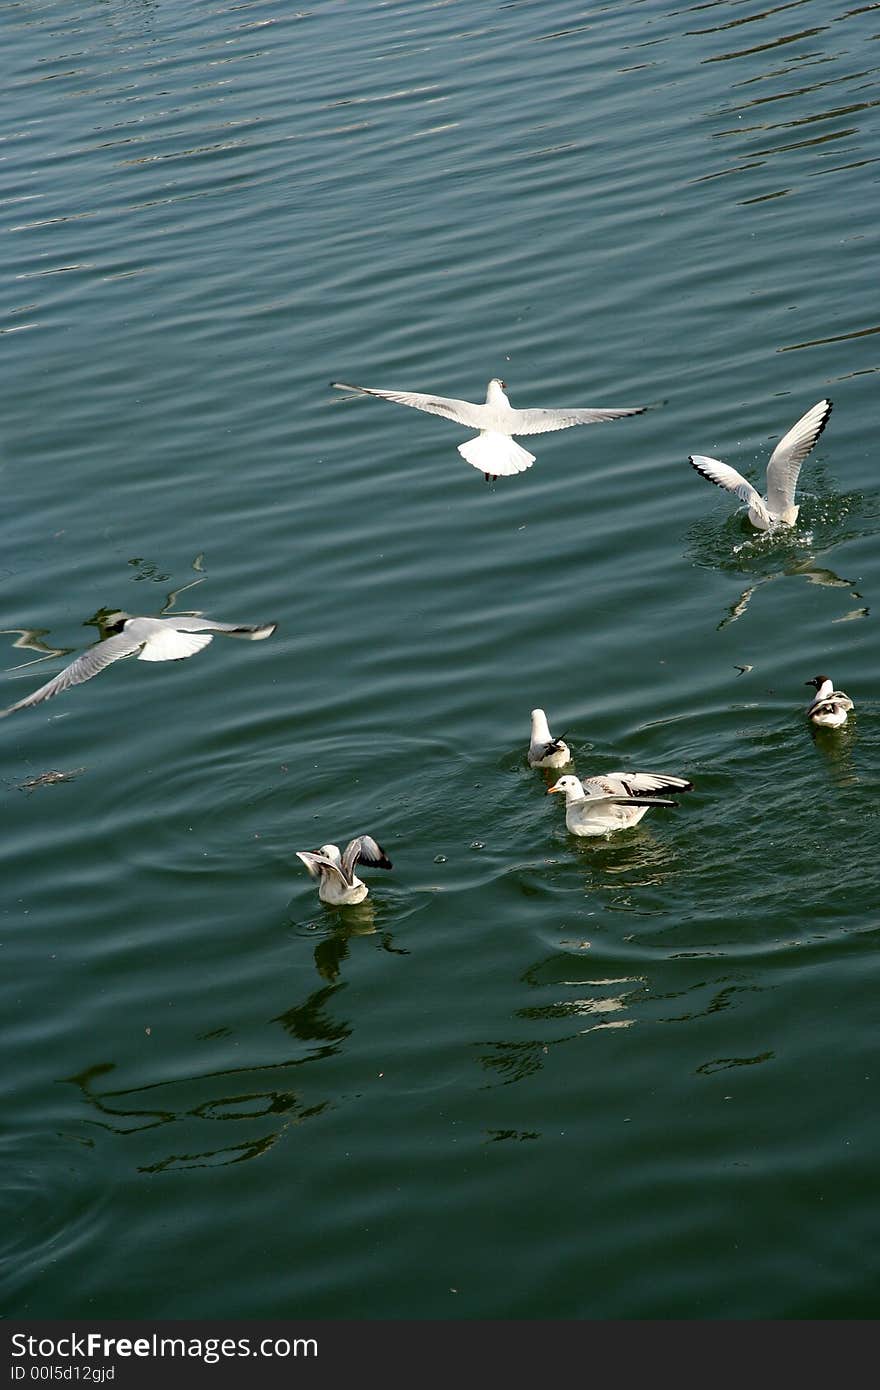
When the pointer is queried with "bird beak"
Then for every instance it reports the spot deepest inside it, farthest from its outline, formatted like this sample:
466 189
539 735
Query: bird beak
551 790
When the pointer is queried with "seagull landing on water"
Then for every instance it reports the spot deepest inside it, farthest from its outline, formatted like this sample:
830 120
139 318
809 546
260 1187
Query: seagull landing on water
338 883
778 507
616 801
830 707
544 749
152 639
493 451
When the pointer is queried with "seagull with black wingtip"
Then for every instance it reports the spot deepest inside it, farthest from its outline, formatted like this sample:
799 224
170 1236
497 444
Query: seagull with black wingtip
778 507
544 749
150 639
616 800
493 451
830 707
338 884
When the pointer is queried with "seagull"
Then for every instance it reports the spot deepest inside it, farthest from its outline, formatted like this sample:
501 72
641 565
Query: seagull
616 801
153 639
544 749
338 883
493 451
778 507
829 709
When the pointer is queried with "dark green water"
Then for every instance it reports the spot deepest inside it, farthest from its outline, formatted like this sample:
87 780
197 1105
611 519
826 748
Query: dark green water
531 1076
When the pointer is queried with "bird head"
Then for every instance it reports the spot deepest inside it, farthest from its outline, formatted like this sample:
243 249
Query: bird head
566 784
495 392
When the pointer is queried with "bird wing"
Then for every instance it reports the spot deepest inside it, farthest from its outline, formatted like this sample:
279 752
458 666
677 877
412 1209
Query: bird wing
836 700
789 454
544 421
316 862
463 412
251 632
88 664
725 476
364 850
543 750
637 782
604 799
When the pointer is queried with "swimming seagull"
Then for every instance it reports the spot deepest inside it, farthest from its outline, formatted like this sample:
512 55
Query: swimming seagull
778 507
544 749
153 639
493 451
338 883
615 801
829 709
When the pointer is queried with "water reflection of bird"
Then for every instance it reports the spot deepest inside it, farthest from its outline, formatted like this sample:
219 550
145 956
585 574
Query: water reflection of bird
813 573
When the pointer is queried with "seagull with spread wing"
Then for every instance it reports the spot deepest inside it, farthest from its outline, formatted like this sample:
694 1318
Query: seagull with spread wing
778 507
616 800
493 451
338 884
151 639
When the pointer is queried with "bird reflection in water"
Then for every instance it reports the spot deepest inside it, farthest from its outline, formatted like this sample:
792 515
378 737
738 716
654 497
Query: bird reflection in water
813 573
345 924
633 860
31 639
598 1003
836 747
191 1102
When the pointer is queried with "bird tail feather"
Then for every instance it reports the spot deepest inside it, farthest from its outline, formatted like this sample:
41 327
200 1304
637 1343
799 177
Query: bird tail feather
496 454
173 646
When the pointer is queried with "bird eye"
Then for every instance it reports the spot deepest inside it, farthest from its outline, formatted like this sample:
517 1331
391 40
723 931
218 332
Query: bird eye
504 386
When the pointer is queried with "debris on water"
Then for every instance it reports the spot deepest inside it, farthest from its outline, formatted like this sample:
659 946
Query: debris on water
46 779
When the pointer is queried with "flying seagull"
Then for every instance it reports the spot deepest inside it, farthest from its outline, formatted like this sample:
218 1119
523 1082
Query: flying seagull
778 507
152 639
337 881
544 749
830 707
493 451
615 801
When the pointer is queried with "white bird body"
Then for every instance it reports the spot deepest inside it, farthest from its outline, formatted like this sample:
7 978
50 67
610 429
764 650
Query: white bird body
150 639
493 451
830 707
615 801
544 749
338 884
777 507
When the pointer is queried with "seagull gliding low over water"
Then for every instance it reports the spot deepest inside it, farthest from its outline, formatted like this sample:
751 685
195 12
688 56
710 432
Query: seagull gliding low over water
493 451
153 639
